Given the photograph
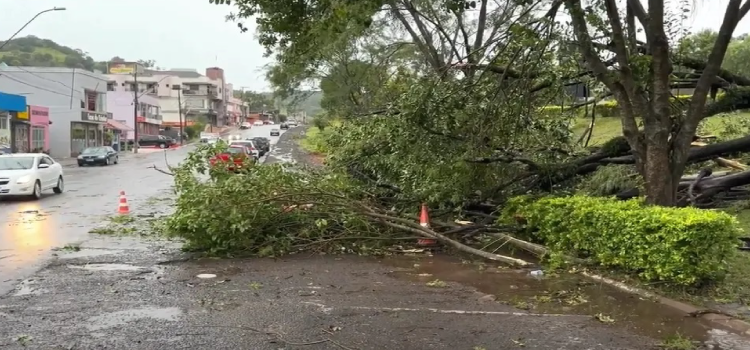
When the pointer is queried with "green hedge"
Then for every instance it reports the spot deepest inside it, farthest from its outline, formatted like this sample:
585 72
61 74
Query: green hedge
684 246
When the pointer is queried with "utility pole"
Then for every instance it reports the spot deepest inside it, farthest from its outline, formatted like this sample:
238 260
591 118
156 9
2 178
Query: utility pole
135 110
179 107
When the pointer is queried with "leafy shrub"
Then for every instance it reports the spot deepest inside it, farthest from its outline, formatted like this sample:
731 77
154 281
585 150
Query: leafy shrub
607 109
684 246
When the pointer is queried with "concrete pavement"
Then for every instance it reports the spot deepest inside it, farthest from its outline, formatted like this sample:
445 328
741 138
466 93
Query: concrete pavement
127 293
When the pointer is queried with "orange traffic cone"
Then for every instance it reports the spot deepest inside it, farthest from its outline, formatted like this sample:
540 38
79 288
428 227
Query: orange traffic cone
424 221
424 218
123 208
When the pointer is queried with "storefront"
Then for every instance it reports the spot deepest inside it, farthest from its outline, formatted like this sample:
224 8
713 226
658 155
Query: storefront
89 132
148 126
10 106
119 132
20 132
39 118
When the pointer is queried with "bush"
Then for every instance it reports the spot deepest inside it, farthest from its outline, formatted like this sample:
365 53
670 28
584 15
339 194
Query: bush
684 246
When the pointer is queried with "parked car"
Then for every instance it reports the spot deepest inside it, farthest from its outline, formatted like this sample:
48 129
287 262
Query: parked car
292 123
245 125
249 143
275 132
258 123
234 158
98 156
284 126
263 144
29 174
160 141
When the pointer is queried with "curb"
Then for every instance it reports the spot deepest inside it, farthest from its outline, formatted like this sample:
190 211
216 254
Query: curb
733 323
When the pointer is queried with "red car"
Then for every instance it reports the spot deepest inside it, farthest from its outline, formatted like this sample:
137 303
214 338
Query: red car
237 155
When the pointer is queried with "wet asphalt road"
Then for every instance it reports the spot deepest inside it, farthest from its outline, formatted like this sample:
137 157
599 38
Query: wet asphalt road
125 293
30 229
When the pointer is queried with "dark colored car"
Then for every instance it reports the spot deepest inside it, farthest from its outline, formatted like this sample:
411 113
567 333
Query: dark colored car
284 126
160 141
275 132
98 155
263 144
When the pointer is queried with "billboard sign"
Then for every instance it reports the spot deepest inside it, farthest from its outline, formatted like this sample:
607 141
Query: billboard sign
124 68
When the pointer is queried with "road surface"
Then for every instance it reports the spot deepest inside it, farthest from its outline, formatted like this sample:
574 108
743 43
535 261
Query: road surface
125 293
30 229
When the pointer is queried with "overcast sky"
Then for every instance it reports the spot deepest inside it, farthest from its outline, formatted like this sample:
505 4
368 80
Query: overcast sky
174 33
183 33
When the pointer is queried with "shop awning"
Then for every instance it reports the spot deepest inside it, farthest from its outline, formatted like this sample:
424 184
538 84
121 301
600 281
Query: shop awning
118 125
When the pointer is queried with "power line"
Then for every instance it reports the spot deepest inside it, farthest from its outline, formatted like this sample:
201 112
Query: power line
48 79
34 86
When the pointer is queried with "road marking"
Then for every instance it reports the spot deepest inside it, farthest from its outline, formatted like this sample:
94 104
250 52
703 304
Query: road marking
327 309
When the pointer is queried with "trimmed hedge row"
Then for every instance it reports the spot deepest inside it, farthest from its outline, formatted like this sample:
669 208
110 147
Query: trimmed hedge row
684 246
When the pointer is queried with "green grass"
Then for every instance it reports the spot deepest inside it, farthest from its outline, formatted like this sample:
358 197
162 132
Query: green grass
312 142
607 128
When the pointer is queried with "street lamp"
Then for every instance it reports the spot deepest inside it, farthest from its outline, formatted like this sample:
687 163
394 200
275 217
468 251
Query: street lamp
27 23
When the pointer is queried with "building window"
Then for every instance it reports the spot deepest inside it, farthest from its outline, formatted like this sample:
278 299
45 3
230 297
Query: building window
91 100
3 121
37 138
110 86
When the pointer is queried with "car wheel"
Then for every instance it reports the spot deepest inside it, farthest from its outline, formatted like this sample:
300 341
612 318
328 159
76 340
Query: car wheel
117 160
37 194
162 145
106 161
80 164
60 185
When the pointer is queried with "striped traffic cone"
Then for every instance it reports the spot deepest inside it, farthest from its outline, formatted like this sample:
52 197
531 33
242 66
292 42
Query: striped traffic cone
123 209
424 221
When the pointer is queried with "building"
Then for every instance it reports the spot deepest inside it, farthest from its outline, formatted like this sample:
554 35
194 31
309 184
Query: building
39 136
76 100
10 106
149 119
236 108
202 96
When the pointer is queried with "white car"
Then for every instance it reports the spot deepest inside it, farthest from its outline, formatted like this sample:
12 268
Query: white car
258 123
28 174
245 125
248 143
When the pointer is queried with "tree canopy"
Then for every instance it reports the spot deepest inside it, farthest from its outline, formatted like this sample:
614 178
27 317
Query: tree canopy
482 80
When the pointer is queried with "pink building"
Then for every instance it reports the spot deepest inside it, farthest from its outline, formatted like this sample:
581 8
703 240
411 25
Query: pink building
39 135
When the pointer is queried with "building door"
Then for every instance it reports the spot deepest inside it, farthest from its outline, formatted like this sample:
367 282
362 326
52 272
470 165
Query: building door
77 138
20 136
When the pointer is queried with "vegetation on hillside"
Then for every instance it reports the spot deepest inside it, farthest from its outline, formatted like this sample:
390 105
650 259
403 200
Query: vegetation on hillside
33 51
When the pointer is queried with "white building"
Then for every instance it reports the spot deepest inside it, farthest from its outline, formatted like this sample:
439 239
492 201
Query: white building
76 99
201 96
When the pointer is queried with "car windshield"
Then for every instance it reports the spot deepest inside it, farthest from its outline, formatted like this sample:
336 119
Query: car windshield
16 163
235 150
94 150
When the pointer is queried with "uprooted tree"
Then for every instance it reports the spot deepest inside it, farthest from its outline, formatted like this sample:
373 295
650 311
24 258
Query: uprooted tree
465 105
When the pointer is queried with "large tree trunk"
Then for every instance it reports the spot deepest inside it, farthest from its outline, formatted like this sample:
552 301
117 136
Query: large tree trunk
657 173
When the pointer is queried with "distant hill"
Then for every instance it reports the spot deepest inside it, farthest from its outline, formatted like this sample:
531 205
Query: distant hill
307 101
33 51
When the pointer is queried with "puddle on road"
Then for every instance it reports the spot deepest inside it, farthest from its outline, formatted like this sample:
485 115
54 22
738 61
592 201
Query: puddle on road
119 318
568 294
